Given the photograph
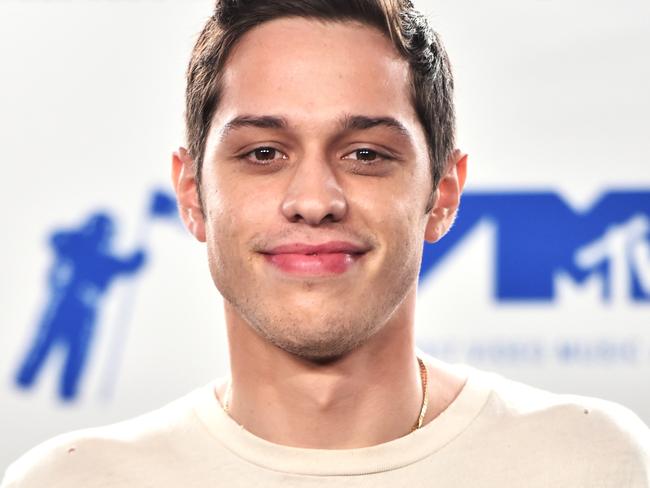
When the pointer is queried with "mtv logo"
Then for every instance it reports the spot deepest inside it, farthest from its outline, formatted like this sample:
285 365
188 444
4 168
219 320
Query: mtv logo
538 236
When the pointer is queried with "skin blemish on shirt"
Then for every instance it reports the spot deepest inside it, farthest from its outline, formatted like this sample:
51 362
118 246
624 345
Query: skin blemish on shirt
586 412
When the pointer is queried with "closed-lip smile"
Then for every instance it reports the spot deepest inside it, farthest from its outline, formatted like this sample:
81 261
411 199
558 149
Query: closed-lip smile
327 258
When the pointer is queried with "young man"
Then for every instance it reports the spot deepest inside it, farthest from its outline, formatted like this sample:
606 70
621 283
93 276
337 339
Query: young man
320 157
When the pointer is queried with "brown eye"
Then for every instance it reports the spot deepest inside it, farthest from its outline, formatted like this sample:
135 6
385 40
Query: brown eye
368 162
264 155
366 154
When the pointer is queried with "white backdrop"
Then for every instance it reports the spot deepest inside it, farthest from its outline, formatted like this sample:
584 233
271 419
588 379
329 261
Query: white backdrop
552 96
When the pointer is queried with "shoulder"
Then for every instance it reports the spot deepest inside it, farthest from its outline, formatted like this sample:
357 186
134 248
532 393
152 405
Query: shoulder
580 427
523 401
110 455
55 461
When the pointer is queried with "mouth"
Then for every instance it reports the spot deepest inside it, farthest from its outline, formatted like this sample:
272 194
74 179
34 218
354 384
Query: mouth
329 258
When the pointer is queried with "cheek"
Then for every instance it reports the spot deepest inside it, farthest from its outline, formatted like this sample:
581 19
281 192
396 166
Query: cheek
220 222
394 208
398 219
236 213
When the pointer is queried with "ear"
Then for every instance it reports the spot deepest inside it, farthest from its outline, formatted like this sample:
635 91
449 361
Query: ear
187 193
447 197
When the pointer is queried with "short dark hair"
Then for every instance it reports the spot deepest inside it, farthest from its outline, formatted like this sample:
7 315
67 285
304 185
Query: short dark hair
409 31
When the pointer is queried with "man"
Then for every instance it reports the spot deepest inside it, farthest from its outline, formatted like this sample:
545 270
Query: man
320 157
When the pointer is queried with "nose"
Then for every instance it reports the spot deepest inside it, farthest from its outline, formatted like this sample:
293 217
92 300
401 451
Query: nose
314 196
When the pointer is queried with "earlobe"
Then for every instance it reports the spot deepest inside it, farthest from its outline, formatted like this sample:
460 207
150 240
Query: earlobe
186 187
447 197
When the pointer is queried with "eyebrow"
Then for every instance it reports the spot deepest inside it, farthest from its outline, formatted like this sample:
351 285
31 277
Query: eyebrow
363 122
259 121
347 123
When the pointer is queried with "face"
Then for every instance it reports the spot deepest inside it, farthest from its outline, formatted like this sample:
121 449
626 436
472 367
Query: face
315 185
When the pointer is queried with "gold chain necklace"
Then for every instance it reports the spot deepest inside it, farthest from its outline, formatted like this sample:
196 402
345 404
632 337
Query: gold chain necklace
424 378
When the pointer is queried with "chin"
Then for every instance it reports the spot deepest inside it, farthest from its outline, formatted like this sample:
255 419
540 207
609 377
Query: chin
317 339
319 351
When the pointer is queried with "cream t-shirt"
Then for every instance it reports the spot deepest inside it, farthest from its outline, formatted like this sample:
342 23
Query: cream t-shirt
497 433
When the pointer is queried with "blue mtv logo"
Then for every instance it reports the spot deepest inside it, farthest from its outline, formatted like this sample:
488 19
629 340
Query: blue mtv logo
539 236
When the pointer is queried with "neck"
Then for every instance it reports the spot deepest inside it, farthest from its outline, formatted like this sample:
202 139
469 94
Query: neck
370 396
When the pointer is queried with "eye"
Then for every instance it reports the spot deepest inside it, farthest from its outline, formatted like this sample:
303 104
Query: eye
366 155
264 155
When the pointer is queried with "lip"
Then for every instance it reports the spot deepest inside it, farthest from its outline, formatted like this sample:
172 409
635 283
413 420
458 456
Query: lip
328 258
330 247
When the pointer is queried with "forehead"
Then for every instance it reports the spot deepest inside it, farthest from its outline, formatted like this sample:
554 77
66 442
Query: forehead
312 69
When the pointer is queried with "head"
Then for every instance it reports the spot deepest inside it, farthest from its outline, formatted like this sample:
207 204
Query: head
99 229
326 127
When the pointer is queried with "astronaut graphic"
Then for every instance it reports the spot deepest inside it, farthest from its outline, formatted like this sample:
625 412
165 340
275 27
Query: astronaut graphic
82 273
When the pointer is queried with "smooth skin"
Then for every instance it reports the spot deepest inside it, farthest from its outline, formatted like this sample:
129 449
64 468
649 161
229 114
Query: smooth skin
315 139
